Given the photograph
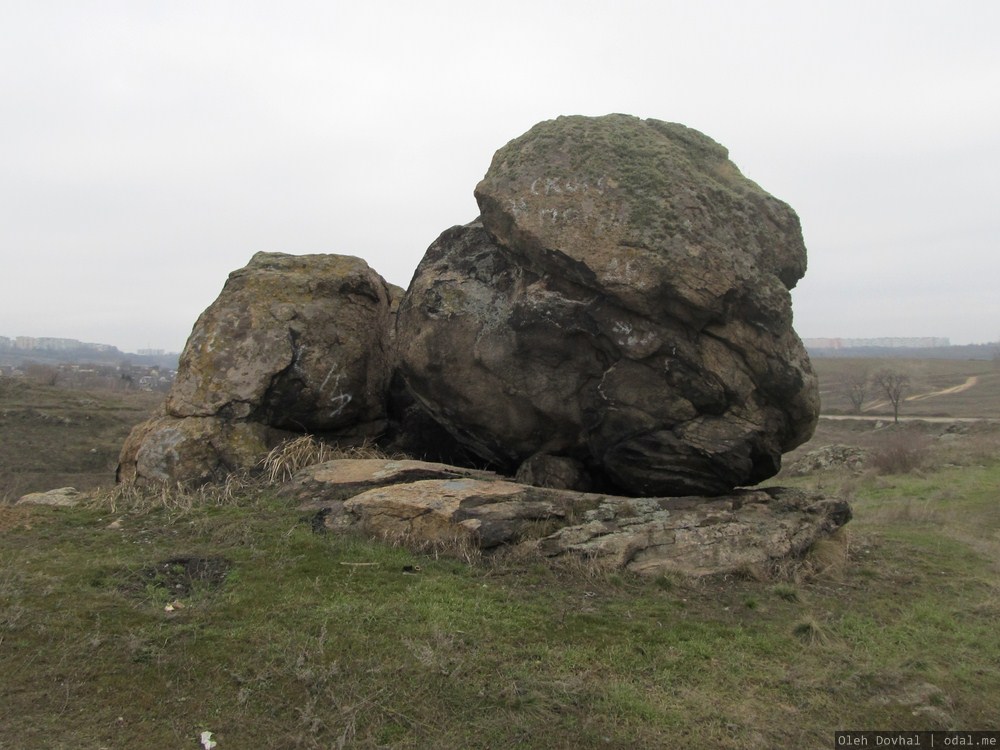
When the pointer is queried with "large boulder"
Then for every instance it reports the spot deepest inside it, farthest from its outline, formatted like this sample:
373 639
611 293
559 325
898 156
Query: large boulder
293 344
622 302
298 342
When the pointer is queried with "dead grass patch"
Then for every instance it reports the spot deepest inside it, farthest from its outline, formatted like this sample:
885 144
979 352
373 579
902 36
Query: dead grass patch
290 456
16 516
453 543
140 496
913 511
829 557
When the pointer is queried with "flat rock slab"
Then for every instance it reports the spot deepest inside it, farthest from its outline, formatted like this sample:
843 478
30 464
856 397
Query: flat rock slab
435 512
692 535
336 480
699 536
64 497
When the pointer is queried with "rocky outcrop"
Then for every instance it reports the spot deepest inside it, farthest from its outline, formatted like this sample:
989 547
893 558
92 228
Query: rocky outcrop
622 303
293 344
828 457
691 535
618 319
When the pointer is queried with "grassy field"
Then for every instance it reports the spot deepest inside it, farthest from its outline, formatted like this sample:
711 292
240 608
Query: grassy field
56 437
938 387
142 621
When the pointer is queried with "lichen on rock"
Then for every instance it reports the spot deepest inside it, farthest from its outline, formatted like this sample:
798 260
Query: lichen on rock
622 302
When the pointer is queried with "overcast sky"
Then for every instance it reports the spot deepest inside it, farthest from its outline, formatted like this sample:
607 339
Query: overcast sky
147 149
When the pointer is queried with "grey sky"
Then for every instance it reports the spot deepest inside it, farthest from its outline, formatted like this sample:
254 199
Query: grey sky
148 149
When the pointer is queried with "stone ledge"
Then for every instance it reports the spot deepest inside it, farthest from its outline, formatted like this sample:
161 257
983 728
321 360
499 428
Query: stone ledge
694 535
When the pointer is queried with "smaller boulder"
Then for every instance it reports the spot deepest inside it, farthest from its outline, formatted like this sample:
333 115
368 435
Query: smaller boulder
63 497
293 344
193 450
298 342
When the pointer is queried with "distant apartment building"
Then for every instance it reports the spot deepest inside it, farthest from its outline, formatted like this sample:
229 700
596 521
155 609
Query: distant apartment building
44 343
926 342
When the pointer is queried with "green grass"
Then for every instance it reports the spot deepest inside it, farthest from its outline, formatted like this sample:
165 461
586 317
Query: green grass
316 641
279 637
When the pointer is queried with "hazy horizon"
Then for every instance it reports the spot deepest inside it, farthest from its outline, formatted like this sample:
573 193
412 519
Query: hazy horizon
809 340
150 150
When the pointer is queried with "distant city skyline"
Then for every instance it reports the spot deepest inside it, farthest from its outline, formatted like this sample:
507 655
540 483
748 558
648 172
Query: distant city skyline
888 342
50 343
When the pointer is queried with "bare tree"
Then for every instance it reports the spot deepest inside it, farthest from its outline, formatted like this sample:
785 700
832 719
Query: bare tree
857 389
894 384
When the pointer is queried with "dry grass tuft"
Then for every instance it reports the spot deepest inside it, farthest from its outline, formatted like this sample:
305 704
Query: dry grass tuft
811 632
826 559
829 556
787 592
139 496
284 460
456 544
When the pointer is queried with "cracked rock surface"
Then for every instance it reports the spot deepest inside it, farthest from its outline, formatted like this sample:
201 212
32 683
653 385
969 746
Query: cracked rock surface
622 302
618 319
292 344
691 535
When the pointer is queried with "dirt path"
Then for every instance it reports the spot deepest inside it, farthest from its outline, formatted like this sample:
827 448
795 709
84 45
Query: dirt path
902 418
971 381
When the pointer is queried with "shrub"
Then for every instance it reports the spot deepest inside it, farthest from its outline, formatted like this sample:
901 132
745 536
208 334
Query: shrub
900 453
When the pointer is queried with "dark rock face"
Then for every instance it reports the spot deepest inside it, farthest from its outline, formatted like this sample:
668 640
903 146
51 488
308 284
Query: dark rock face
293 344
622 303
